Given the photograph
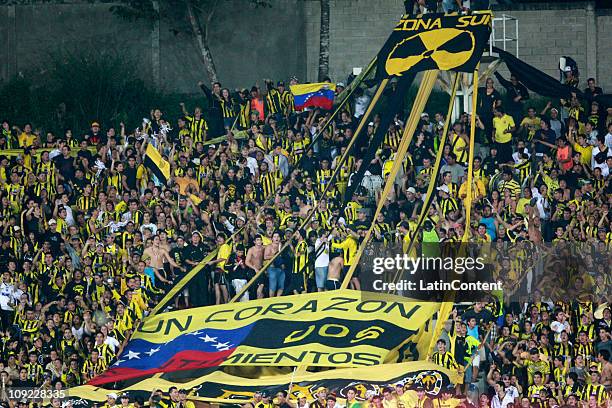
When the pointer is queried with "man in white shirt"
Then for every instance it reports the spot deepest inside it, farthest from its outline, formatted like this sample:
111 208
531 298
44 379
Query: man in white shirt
501 398
608 139
7 299
600 152
321 261
251 162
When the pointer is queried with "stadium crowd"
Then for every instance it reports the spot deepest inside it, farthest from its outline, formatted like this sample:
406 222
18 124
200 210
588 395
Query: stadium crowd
92 238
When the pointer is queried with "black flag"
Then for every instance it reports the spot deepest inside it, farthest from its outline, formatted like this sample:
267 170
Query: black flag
435 41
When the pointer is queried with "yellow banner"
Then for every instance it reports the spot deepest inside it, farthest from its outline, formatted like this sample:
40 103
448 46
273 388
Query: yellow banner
342 328
221 387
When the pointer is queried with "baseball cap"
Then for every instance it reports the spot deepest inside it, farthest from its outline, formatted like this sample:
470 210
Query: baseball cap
52 221
95 124
568 69
340 84
443 188
111 395
413 191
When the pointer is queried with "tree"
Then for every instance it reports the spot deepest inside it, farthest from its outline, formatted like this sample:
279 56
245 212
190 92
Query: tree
192 17
324 41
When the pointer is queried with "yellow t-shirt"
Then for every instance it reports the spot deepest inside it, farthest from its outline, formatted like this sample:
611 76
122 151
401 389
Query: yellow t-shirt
459 149
532 124
408 399
586 153
225 251
26 140
501 125
478 189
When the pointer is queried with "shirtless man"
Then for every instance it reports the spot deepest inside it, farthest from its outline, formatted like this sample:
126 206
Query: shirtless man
156 255
334 271
603 357
276 276
254 260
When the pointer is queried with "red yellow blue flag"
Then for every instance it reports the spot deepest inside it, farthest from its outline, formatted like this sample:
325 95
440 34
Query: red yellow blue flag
319 95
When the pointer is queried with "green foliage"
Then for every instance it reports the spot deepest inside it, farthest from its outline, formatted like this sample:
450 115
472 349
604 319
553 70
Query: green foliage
76 88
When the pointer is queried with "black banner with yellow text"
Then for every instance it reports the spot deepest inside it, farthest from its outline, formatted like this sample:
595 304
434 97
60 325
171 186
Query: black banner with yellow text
435 41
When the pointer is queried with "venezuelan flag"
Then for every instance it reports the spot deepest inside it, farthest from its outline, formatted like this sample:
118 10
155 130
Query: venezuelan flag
320 95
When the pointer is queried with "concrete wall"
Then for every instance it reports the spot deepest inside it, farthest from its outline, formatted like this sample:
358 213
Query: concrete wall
604 49
250 44
548 31
358 29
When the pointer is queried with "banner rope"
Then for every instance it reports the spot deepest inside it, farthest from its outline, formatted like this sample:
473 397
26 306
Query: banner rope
311 212
422 96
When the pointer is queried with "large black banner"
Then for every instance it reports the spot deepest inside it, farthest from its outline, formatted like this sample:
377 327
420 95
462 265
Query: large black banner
435 41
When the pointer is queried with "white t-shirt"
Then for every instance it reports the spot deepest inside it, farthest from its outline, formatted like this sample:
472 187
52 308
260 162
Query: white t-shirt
496 403
150 226
608 140
7 296
69 216
112 342
322 260
252 164
594 163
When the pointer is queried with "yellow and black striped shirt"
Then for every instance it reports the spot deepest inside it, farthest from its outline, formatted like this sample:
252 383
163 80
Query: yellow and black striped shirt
30 327
288 102
268 184
447 205
300 257
85 203
512 185
351 210
197 128
594 389
393 139
445 360
274 103
323 177
524 169
228 108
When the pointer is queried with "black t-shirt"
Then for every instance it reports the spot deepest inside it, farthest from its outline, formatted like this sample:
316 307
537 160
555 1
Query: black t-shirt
178 255
484 316
236 267
84 153
195 253
548 136
54 239
419 153
80 182
74 289
64 166
490 165
130 177
485 107
18 383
